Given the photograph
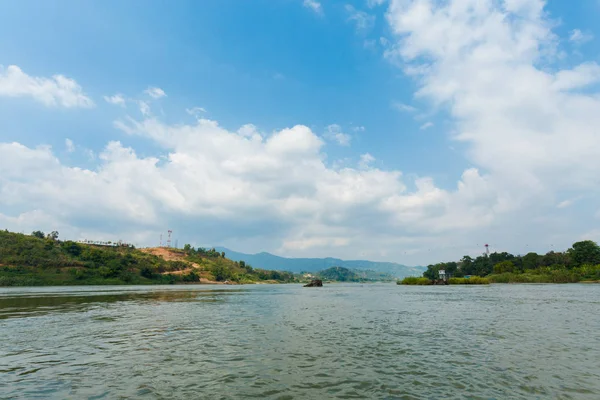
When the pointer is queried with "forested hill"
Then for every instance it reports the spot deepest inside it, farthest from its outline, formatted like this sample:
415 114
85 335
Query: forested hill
297 265
39 259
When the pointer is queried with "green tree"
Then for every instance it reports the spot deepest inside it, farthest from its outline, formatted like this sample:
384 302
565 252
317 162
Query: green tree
504 266
432 272
53 235
38 234
552 258
191 277
531 261
72 248
496 258
221 272
482 266
585 252
466 265
147 272
451 268
187 247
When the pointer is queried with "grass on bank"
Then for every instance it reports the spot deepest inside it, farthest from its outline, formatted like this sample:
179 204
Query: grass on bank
415 280
585 273
474 280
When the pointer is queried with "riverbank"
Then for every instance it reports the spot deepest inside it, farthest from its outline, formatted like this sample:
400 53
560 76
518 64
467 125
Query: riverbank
421 281
38 260
495 279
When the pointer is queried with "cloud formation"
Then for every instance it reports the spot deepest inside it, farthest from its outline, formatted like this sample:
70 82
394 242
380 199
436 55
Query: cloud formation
404 107
230 186
426 126
58 91
362 21
69 145
529 135
334 133
116 99
375 3
578 37
313 5
155 92
532 130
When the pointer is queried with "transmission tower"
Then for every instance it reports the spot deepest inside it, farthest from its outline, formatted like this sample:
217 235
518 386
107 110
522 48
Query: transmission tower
169 239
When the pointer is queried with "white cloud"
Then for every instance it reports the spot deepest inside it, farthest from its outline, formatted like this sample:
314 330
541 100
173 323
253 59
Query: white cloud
155 92
116 99
144 108
370 44
565 203
530 133
358 128
334 132
375 3
196 111
578 37
69 145
568 202
275 190
530 129
52 92
404 107
314 6
365 160
426 126
362 20
502 103
250 131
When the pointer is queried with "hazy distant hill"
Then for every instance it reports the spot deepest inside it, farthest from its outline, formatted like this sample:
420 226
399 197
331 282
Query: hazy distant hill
269 261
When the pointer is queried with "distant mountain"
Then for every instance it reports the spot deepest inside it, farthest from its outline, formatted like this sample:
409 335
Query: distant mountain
272 262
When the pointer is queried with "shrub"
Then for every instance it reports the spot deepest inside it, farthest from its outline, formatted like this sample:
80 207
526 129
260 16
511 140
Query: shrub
191 277
474 280
146 272
414 280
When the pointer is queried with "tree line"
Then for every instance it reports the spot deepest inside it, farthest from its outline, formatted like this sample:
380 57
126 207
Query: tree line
580 262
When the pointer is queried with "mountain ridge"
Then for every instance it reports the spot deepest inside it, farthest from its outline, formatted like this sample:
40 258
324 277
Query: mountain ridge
269 261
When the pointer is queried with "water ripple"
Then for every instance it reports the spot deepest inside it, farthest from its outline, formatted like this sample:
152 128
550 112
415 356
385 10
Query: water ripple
287 342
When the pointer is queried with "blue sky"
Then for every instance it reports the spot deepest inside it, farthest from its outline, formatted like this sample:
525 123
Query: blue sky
344 68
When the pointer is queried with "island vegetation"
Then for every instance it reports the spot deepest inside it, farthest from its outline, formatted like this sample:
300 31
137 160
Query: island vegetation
341 274
580 263
43 259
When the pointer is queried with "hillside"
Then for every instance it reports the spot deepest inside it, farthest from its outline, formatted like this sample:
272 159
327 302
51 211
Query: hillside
297 265
339 274
39 260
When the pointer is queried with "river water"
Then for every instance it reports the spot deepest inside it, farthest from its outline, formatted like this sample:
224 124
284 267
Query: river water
379 341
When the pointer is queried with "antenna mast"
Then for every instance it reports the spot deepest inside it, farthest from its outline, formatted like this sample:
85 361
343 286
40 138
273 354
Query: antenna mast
169 239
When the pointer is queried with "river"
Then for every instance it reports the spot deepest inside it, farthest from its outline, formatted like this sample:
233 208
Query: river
371 341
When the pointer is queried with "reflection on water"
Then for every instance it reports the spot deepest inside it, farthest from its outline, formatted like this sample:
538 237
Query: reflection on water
14 304
288 342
